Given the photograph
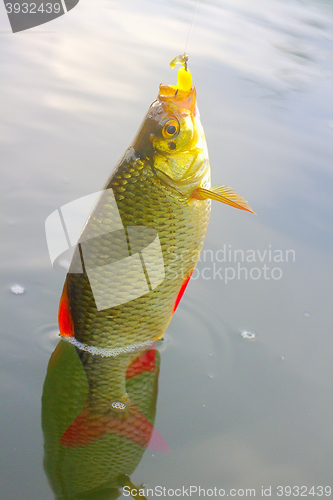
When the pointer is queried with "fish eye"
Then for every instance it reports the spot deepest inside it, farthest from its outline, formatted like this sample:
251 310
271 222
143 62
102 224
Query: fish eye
170 129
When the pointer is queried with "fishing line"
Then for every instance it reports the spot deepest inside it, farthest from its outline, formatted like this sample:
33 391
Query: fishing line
189 34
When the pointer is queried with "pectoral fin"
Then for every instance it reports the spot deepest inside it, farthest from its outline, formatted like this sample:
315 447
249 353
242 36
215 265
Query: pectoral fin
224 194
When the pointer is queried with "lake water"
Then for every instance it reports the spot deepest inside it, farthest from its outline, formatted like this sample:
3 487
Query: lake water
245 394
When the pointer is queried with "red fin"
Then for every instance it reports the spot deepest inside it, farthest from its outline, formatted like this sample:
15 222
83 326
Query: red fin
157 442
181 292
86 428
90 426
66 325
145 362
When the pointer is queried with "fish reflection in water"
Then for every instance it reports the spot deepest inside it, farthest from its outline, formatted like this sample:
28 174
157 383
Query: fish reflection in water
92 444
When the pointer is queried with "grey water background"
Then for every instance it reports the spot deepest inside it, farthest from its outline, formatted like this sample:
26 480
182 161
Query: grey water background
236 412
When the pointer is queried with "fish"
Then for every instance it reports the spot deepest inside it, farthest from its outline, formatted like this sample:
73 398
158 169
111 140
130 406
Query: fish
140 245
95 466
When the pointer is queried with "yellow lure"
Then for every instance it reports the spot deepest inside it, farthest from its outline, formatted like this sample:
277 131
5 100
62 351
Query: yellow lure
184 81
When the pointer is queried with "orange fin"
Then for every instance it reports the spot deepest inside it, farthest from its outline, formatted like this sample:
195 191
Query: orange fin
66 325
89 426
181 292
144 363
223 194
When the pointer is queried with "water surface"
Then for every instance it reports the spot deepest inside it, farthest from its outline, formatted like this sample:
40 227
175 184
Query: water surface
236 412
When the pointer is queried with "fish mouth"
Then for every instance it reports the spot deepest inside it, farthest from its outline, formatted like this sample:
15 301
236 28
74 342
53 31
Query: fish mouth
185 99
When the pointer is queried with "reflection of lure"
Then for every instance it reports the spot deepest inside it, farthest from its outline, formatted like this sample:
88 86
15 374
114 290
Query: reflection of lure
154 211
87 459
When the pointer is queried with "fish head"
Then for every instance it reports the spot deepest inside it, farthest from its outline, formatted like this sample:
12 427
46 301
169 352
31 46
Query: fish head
177 128
174 138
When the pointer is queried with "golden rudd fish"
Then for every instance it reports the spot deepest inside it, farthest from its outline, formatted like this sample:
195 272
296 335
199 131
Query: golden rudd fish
142 239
